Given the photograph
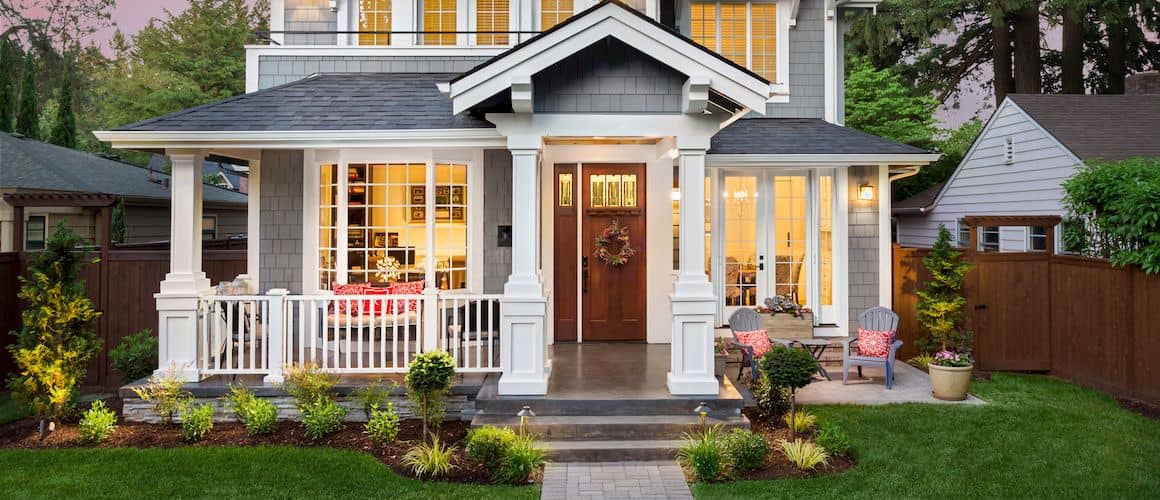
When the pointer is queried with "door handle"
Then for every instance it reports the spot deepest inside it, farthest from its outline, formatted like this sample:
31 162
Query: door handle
584 274
760 262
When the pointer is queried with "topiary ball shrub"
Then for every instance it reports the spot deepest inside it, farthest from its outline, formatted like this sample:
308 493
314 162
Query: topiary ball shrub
428 380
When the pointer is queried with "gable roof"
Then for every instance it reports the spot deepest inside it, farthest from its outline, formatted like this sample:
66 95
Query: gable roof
801 136
919 203
336 101
29 164
1107 127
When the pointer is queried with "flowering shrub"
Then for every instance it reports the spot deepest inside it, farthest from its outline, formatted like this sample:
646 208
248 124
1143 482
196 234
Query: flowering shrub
783 304
952 359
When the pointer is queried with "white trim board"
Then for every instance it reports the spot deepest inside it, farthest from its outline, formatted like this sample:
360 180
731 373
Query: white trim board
830 160
304 139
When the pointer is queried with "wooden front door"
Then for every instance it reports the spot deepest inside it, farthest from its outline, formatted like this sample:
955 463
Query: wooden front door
613 295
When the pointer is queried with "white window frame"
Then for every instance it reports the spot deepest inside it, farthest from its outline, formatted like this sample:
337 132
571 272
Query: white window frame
960 228
513 23
43 231
983 231
1031 237
781 86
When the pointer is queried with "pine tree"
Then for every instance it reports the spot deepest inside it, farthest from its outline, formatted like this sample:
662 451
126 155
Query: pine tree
7 73
58 336
941 302
64 131
27 114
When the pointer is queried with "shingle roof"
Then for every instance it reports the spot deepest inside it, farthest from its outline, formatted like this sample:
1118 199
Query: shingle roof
1109 127
801 136
29 164
345 101
918 203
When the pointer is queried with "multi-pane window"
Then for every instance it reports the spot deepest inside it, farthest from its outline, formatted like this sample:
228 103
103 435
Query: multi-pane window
789 239
826 238
553 12
439 22
1037 238
491 18
963 236
374 22
744 32
209 227
35 227
389 214
989 239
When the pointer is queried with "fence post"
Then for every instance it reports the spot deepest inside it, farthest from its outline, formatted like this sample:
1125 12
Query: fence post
275 335
430 319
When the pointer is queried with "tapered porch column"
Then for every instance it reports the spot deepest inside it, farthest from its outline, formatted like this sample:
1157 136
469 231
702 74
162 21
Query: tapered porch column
523 348
693 302
185 282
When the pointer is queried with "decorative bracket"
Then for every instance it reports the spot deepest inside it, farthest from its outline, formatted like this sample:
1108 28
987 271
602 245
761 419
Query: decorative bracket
695 94
521 93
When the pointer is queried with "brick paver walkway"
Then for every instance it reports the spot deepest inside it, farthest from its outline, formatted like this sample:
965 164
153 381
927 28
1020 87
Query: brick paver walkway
614 480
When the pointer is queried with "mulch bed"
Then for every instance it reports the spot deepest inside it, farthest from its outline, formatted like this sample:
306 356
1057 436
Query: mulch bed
23 434
776 465
1144 408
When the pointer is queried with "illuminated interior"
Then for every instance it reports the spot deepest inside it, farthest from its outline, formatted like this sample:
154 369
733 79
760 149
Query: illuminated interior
494 16
553 12
374 16
722 26
439 22
389 213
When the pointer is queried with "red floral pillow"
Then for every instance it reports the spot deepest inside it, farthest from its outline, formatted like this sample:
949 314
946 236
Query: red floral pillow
375 306
873 343
758 339
406 288
347 289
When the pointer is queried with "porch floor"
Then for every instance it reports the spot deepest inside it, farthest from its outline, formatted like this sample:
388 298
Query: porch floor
598 370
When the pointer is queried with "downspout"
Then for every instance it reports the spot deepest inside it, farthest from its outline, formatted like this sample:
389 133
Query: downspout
911 170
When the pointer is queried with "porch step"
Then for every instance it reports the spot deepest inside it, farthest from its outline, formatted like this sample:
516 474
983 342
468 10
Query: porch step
611 451
609 428
727 403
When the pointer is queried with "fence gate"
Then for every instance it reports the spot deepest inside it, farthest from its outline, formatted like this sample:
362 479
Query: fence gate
1009 309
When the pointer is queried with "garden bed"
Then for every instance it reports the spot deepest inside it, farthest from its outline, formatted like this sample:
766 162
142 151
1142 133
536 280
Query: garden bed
22 434
776 465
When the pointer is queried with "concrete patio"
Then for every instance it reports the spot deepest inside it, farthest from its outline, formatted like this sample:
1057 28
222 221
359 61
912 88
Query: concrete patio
911 385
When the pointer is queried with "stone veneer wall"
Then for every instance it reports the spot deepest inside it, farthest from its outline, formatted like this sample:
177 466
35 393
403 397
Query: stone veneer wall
497 211
863 239
280 261
137 410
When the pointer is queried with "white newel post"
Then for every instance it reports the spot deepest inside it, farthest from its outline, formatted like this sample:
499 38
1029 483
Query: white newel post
693 302
276 335
523 348
177 301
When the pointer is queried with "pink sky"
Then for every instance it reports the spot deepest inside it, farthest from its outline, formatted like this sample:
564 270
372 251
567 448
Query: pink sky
132 15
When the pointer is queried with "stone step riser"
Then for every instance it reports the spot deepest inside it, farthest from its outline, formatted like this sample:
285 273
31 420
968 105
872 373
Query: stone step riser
617 432
719 408
619 455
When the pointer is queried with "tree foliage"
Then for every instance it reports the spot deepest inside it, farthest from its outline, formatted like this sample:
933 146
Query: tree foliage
64 127
57 336
1117 209
28 111
941 301
877 102
7 76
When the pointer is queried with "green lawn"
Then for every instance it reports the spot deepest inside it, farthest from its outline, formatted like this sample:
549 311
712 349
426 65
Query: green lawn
1038 438
278 472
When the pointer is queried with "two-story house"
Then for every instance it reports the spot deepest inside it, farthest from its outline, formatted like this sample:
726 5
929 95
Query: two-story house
491 177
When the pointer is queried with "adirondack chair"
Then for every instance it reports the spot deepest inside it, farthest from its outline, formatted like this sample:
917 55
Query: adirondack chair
877 319
747 320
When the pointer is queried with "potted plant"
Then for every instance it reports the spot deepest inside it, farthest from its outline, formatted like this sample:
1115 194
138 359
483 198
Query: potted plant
940 310
784 318
720 355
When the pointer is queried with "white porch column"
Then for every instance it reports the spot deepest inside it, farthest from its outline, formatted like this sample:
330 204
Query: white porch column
523 348
185 282
693 302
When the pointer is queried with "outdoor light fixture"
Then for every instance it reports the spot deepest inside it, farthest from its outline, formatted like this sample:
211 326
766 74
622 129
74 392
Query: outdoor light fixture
702 410
865 192
525 413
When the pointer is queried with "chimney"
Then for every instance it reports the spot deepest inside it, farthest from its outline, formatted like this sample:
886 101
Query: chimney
1147 82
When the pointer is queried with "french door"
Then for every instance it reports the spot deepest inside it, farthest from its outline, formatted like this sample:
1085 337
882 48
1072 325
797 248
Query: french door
777 239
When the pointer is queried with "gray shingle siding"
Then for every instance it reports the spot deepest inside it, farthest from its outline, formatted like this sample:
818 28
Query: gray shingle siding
278 70
806 67
863 241
608 77
280 264
310 15
497 211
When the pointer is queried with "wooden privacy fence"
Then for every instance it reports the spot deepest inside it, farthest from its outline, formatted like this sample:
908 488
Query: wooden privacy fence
1077 318
121 286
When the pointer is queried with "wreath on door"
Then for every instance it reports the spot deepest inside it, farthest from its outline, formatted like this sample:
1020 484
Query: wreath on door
612 245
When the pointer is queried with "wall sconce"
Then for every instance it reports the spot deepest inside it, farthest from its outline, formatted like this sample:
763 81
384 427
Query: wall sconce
865 192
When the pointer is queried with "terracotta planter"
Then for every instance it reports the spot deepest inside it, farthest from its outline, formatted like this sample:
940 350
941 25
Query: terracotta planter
785 326
719 364
950 383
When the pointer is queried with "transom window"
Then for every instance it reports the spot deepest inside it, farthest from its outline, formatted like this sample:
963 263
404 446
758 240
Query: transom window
374 16
379 222
744 32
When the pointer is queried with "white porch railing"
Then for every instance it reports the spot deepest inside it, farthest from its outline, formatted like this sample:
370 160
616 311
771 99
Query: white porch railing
260 334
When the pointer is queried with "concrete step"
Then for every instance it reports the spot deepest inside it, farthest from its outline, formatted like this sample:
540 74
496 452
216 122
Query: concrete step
611 428
612 451
721 408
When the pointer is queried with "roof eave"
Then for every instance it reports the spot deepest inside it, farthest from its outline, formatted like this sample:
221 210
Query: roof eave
296 139
911 159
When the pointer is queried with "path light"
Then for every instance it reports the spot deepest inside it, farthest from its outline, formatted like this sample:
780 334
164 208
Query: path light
702 410
524 414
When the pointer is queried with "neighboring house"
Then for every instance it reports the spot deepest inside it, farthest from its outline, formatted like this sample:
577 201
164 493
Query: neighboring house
42 185
1017 165
449 143
227 173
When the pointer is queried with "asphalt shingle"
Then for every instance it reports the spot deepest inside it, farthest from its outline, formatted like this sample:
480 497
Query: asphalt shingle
1108 127
800 136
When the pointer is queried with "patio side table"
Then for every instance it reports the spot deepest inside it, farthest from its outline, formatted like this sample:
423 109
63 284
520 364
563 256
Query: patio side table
816 347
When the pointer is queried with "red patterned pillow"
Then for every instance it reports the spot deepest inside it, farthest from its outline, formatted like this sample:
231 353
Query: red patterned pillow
406 288
375 305
874 343
347 289
758 339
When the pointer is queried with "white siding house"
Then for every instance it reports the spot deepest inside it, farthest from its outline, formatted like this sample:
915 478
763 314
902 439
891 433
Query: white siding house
1017 165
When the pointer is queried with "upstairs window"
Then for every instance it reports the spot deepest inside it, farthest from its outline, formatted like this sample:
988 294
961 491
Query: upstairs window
553 12
439 17
492 16
374 22
743 32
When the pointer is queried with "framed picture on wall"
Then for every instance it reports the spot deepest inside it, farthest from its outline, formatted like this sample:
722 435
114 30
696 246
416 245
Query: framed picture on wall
418 214
458 214
457 195
380 240
442 195
393 240
418 195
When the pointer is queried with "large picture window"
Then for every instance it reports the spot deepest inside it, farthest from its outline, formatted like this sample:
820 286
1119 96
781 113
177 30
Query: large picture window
744 32
379 223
